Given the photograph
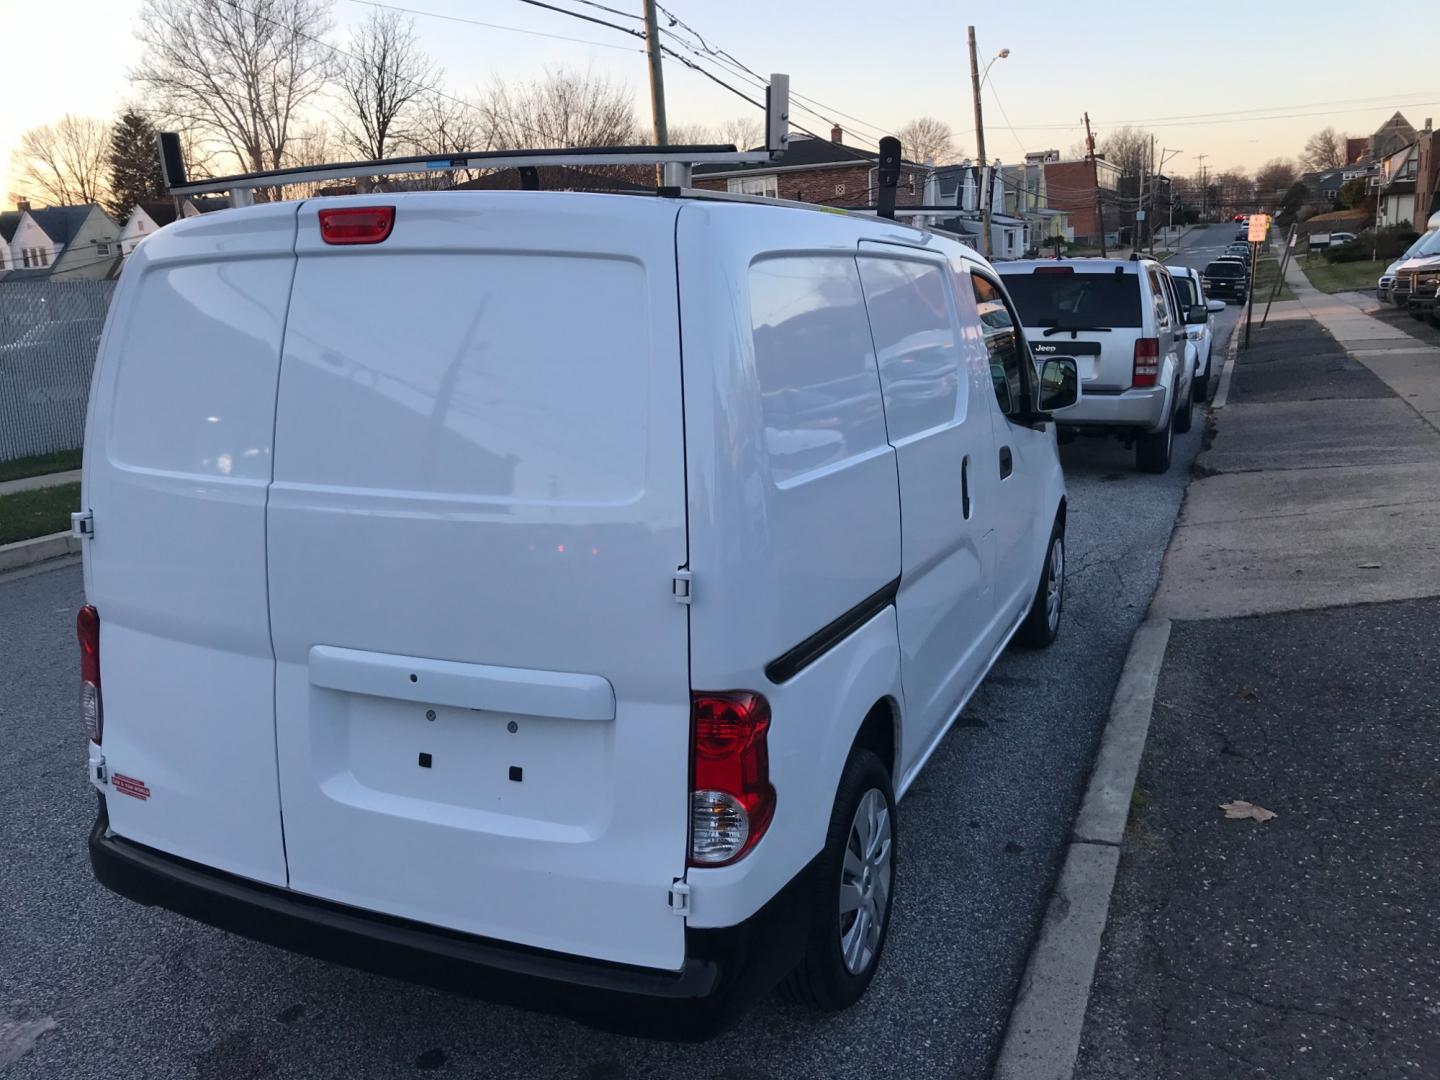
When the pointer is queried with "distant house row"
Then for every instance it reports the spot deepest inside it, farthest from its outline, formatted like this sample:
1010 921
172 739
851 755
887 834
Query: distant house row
82 242
1400 167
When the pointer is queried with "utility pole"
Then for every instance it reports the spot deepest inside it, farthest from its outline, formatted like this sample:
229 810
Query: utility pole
1095 177
980 149
1154 186
657 81
1201 159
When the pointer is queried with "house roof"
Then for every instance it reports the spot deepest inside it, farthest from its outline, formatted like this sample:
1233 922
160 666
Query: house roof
61 223
160 211
9 222
800 153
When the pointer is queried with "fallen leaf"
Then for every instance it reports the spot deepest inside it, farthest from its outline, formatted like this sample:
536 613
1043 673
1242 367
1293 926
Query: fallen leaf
1368 566
1246 694
1240 809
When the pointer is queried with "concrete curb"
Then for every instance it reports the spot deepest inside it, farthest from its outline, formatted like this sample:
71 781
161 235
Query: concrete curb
27 552
1042 1038
1232 349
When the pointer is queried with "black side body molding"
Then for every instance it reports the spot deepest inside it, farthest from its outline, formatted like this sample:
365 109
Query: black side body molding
791 663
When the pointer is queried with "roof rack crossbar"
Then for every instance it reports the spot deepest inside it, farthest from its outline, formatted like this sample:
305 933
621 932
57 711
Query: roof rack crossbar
777 137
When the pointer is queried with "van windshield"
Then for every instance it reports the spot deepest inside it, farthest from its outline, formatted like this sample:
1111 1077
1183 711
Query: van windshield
1060 299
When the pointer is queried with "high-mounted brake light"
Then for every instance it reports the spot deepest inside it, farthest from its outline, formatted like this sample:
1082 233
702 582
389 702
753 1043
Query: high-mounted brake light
1054 270
1147 362
87 630
356 224
731 800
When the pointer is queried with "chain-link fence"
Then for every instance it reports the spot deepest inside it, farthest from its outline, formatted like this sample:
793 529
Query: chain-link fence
49 332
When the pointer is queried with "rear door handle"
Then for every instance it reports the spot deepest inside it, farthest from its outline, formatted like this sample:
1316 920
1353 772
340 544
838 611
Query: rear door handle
1007 462
965 486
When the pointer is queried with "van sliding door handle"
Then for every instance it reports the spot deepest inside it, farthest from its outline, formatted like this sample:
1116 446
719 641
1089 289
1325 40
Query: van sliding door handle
1007 462
965 487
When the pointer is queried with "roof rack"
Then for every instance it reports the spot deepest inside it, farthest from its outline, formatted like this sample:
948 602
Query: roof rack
675 160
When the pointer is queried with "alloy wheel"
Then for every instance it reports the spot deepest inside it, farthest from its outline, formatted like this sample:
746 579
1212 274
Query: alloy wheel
865 879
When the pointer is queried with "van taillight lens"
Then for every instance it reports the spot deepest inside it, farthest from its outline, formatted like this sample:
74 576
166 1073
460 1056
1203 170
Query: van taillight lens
357 224
731 800
87 630
1147 362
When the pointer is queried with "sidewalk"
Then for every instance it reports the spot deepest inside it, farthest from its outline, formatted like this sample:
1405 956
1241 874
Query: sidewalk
33 483
1302 675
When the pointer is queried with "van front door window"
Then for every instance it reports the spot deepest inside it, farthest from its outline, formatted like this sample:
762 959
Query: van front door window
1001 342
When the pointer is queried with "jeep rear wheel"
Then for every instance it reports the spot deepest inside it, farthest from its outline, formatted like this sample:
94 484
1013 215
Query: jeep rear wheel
1153 449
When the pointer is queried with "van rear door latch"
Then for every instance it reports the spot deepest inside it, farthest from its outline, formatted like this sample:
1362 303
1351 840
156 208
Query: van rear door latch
680 587
680 897
82 524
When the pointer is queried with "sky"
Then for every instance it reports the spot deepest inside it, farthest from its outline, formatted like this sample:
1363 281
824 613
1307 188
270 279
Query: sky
1238 82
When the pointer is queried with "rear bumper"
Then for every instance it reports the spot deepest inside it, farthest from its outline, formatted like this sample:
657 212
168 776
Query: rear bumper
1143 409
1223 291
725 970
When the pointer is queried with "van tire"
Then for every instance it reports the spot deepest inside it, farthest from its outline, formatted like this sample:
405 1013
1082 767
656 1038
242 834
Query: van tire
1039 630
1153 450
1185 415
823 981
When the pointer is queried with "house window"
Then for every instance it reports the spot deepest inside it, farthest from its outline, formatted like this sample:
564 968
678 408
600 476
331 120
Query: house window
44 254
102 248
754 185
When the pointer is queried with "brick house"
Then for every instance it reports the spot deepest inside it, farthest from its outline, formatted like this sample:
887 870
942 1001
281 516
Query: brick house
816 171
1427 176
1073 186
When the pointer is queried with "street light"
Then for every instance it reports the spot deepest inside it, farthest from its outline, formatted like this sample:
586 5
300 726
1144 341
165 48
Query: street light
977 81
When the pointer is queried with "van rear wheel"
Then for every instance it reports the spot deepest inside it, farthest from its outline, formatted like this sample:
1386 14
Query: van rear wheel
1153 451
1042 625
852 892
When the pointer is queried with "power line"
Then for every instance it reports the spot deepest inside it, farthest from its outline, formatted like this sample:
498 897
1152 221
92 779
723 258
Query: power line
493 26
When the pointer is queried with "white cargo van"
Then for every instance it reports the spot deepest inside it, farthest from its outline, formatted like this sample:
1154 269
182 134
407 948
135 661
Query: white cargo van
550 596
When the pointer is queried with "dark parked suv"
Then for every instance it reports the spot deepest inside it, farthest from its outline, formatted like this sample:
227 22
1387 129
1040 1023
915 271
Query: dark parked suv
1226 281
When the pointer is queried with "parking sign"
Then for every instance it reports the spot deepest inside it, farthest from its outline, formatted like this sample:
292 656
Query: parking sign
1259 228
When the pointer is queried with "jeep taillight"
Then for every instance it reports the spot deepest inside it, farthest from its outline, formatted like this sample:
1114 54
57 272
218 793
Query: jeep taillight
731 800
1147 362
87 630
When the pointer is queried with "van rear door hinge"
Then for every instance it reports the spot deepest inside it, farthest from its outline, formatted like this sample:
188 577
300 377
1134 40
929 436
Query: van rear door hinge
680 897
680 587
82 524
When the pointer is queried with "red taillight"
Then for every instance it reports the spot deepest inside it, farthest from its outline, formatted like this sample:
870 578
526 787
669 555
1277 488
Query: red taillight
87 630
731 800
1054 270
1147 362
357 224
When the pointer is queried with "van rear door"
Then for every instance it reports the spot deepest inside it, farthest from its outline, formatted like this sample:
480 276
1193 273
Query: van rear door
177 460
478 510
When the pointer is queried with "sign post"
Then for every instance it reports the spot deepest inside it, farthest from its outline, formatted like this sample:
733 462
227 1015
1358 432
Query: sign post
1259 229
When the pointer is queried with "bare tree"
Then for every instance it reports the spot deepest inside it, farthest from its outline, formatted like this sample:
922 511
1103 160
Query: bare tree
691 135
382 78
240 74
742 132
565 108
1324 150
64 163
1273 179
1127 147
311 144
928 139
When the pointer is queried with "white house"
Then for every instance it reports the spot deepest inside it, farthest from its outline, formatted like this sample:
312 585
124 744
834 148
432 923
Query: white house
65 242
1395 178
145 218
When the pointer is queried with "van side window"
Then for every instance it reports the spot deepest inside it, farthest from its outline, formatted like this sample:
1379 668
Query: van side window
1002 342
916 344
815 363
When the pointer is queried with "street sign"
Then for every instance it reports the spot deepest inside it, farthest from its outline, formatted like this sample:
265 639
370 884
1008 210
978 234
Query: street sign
1259 228
1139 215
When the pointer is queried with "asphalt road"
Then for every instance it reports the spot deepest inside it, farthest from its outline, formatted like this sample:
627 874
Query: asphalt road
147 993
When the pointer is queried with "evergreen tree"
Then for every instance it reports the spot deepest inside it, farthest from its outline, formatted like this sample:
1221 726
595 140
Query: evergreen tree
134 164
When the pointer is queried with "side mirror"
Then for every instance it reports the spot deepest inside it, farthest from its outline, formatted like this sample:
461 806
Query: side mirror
1059 384
1198 315
1215 305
